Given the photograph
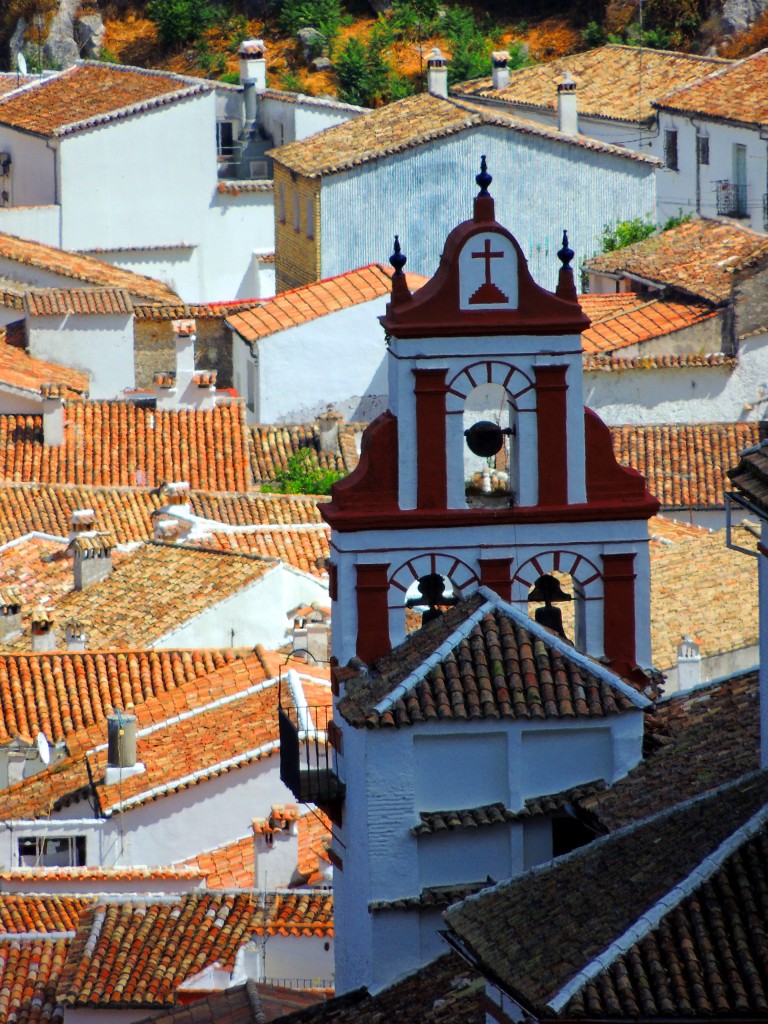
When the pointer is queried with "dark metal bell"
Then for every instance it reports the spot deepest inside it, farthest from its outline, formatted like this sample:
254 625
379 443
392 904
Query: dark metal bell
484 438
548 589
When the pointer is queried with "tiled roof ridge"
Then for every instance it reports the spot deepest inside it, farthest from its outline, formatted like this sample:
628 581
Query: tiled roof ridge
230 552
705 58
34 936
314 101
137 107
652 917
254 1001
606 362
715 74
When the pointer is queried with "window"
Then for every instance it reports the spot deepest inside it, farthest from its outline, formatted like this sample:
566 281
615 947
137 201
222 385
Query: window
225 138
310 217
702 149
296 213
281 203
569 834
251 384
670 150
52 851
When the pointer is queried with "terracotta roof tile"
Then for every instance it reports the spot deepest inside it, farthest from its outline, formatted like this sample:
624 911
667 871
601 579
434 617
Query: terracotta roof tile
300 305
42 875
732 93
234 188
538 932
18 369
406 124
618 321
63 301
609 81
11 80
272 444
698 258
604 363
21 913
497 669
125 444
227 867
684 464
92 93
749 473
137 952
263 509
250 1003
307 550
30 969
83 269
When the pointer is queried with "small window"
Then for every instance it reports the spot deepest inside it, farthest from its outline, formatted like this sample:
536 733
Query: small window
225 138
52 852
310 217
569 834
702 149
251 384
281 203
670 150
296 213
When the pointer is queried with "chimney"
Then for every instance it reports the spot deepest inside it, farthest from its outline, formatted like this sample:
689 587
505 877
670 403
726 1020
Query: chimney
81 521
43 631
567 112
249 964
252 56
688 664
276 847
318 642
500 68
53 414
328 429
92 559
437 73
74 635
121 747
10 612
185 388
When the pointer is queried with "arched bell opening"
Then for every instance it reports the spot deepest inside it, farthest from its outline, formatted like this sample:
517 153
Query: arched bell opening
557 601
423 588
428 597
490 449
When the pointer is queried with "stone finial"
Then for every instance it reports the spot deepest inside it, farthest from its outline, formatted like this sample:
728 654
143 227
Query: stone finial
484 207
566 286
398 258
483 179
400 290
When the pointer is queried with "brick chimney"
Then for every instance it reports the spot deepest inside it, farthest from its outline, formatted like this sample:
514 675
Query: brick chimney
43 631
92 556
567 112
437 73
53 414
500 68
10 612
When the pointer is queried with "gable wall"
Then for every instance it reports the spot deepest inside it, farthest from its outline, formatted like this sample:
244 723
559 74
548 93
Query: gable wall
297 256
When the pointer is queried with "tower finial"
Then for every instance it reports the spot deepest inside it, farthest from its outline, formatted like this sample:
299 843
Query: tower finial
566 286
400 290
398 258
566 254
483 179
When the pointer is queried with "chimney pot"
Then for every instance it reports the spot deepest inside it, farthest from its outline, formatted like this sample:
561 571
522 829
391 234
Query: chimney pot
252 57
437 73
92 556
74 635
688 664
567 109
53 414
500 69
43 631
10 612
328 429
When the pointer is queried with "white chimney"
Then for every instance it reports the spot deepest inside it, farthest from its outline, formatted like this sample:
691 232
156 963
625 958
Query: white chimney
43 631
249 963
74 635
121 748
53 414
500 68
186 388
437 73
328 429
567 112
688 664
253 74
82 521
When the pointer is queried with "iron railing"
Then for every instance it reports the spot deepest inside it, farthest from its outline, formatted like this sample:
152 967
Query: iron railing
306 756
317 983
731 199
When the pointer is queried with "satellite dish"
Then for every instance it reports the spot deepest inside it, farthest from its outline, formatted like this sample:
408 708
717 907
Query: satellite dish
43 749
21 64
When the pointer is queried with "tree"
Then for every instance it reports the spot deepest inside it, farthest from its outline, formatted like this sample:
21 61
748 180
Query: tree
366 77
179 22
625 232
302 475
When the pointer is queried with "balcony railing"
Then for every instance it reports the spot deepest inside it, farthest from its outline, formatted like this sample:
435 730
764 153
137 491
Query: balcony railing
306 756
731 199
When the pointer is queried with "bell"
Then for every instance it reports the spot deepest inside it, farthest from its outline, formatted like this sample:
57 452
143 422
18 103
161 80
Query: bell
548 589
484 438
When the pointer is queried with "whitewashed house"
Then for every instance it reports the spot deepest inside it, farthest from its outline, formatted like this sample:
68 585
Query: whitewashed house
454 751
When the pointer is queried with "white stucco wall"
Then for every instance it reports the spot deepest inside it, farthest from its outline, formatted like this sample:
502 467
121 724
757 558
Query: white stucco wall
291 957
32 181
235 231
295 117
38 223
13 402
101 345
540 188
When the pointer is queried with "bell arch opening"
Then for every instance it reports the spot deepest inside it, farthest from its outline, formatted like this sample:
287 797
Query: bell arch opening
491 468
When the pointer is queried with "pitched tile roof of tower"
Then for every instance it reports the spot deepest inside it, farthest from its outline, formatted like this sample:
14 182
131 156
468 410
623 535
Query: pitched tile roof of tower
125 444
614 82
84 269
732 93
23 913
685 464
483 659
80 301
307 550
545 935
30 969
409 123
113 959
698 258
18 369
748 474
301 305
61 692
630 319
89 94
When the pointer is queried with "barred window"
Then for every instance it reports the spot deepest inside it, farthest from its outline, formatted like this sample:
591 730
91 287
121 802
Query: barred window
670 150
702 149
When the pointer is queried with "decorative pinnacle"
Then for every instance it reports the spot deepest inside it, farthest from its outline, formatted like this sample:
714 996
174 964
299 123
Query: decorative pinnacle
483 179
566 254
398 258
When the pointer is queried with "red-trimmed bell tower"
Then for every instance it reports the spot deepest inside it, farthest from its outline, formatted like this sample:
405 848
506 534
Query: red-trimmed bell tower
486 469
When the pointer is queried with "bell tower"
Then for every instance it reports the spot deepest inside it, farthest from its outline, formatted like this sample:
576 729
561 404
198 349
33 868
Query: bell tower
487 469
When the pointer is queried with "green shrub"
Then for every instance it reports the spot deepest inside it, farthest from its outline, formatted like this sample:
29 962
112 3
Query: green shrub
675 222
324 15
593 34
366 76
471 47
302 475
625 232
179 22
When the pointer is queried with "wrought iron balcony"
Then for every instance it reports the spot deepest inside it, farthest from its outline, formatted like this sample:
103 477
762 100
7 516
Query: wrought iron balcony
731 199
306 756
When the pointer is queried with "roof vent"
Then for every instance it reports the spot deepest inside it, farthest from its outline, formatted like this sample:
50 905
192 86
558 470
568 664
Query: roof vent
121 747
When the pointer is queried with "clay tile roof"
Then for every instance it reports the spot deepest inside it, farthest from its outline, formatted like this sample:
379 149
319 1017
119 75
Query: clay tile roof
605 363
18 369
83 269
538 933
614 82
749 473
684 464
42 875
258 509
250 1003
10 80
501 666
301 305
630 319
63 301
227 867
271 445
68 691
113 960
21 913
125 444
235 188
89 94
307 550
697 258
732 93
30 969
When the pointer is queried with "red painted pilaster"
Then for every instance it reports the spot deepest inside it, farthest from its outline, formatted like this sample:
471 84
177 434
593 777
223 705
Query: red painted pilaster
619 609
496 574
430 390
552 431
372 612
